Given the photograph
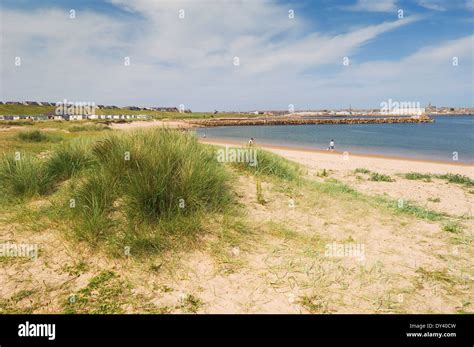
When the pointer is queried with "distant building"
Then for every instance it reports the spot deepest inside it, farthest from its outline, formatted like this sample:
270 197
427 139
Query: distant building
166 109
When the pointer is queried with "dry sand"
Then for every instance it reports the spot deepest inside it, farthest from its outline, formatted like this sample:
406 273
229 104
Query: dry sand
453 199
178 124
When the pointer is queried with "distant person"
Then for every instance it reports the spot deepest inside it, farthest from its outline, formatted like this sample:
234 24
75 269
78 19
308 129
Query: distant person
204 136
331 145
251 141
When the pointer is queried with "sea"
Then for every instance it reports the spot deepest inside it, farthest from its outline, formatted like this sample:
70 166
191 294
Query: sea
449 138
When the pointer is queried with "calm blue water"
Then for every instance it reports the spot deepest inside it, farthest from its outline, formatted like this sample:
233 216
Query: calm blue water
435 141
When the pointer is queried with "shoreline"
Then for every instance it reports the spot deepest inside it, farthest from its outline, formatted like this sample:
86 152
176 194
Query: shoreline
186 126
336 154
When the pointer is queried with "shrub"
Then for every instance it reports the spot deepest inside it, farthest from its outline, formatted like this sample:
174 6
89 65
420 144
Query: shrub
322 173
33 136
453 227
24 177
417 176
362 170
156 175
456 178
68 160
94 199
377 177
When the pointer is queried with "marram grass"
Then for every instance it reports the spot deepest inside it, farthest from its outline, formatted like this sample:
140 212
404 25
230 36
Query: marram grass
150 177
270 165
23 175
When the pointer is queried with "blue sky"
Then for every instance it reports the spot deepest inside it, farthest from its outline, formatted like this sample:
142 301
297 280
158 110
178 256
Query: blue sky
282 60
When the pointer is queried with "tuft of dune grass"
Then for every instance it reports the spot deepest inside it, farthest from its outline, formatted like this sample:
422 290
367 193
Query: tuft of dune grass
37 136
32 136
151 178
69 160
137 188
378 177
24 175
269 164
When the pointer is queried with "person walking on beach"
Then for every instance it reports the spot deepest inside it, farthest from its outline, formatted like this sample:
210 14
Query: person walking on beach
251 141
331 145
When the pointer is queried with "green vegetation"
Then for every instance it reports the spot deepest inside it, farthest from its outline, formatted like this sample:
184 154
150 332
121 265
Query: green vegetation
418 176
437 275
15 123
37 136
377 177
22 294
459 179
76 269
10 306
362 170
453 227
33 136
260 198
68 160
269 165
37 110
451 178
417 211
137 189
24 175
337 188
149 177
25 109
103 295
190 304
88 127
314 303
172 115
95 197
322 173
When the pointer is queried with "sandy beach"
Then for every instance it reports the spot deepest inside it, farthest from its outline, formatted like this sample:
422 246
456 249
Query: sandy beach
436 194
178 124
271 256
339 160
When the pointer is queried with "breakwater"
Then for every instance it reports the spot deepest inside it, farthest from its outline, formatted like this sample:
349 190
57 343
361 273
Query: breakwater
306 121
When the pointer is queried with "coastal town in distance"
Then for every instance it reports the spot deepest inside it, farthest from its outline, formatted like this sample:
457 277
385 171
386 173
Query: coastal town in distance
14 110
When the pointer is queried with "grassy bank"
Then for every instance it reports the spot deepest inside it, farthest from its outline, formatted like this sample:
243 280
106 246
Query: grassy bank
158 182
35 110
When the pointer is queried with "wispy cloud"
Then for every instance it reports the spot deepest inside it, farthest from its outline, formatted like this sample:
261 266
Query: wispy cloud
436 5
190 60
373 5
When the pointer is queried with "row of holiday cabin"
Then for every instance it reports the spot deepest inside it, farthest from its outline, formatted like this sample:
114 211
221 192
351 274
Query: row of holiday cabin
75 117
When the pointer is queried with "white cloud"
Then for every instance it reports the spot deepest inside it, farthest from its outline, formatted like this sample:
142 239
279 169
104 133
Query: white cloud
436 5
426 75
374 5
190 60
